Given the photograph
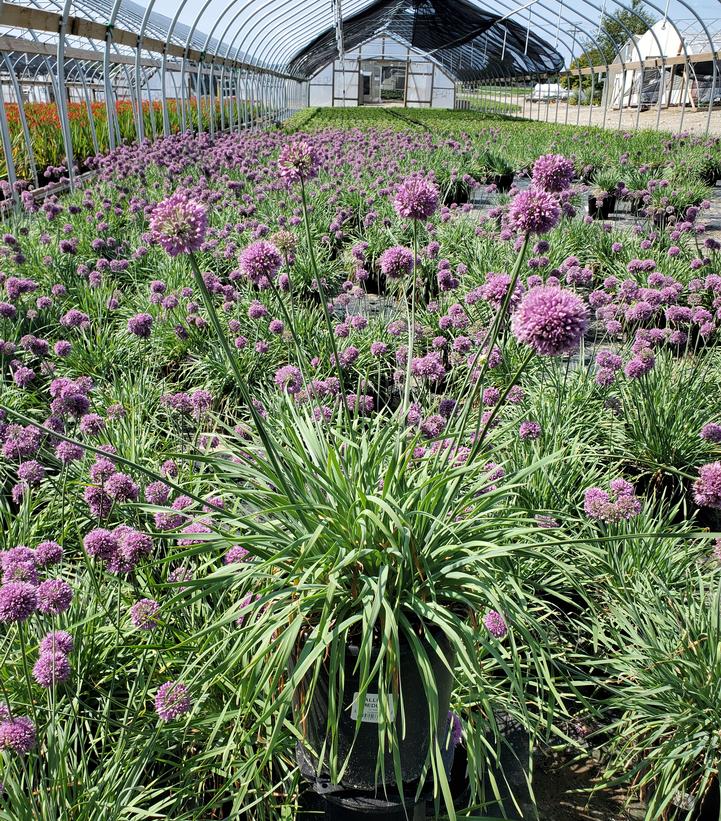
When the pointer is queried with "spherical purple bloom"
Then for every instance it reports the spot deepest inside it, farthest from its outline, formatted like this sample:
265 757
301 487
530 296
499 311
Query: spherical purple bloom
551 320
495 288
133 546
140 325
711 432
260 261
157 493
639 366
75 318
416 199
122 488
172 700
298 161
54 596
429 367
51 668
706 489
621 503
23 376
143 614
396 262
48 553
552 172
92 423
235 555
289 379
529 430
68 452
18 601
534 212
101 544
31 472
495 624
20 571
378 348
57 641
348 355
609 360
17 734
179 223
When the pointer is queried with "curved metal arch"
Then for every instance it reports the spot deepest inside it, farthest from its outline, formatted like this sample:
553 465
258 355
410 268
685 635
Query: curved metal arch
572 54
450 69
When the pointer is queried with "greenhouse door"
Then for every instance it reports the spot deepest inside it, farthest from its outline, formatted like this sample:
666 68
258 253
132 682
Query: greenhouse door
383 82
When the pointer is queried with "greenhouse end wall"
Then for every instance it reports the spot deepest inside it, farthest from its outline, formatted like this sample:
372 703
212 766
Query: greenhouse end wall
359 78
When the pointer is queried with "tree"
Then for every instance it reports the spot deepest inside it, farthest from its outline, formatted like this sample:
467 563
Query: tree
613 34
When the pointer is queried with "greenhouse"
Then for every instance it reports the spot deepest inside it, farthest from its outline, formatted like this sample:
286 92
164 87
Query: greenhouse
360 410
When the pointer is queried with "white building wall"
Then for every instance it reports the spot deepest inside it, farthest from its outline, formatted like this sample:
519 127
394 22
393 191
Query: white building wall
341 83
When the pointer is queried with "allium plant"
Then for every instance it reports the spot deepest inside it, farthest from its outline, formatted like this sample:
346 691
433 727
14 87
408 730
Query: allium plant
366 498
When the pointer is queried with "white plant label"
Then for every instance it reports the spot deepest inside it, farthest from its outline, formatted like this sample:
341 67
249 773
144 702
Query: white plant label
371 708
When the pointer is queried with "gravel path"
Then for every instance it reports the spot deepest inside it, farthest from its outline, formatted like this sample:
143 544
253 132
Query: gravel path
670 119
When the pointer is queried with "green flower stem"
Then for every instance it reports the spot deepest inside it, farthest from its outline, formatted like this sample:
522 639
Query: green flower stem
411 324
323 300
26 671
235 367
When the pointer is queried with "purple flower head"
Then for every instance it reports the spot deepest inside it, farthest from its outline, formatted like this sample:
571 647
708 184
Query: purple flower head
496 287
534 212
416 199
18 734
143 614
92 423
236 555
456 729
529 430
640 365
609 360
172 700
552 173
289 379
429 367
31 472
396 262
58 641
48 553
18 601
54 596
550 320
157 493
68 452
706 489
495 624
260 262
122 488
179 223
140 325
51 669
618 504
711 432
101 544
298 161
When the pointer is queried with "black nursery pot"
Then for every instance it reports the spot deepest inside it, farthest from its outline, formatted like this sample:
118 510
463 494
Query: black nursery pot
503 182
601 209
360 774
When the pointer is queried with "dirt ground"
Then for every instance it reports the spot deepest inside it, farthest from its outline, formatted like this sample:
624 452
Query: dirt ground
562 793
669 119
